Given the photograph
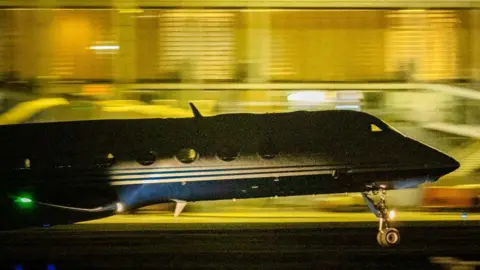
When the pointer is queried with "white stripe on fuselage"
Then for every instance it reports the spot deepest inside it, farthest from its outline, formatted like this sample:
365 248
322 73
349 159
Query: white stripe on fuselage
195 174
213 172
224 177
167 168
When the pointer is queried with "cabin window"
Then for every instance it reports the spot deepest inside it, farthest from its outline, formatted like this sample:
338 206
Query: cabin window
105 161
15 163
186 155
110 160
147 159
267 155
227 154
375 128
268 150
27 164
62 163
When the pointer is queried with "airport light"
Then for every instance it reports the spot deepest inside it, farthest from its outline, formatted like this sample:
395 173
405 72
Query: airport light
391 214
104 47
120 207
348 107
307 96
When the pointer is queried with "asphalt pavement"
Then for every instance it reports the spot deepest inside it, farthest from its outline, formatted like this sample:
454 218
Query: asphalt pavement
264 245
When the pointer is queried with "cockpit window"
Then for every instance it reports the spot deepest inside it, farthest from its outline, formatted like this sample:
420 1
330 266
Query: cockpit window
375 128
391 128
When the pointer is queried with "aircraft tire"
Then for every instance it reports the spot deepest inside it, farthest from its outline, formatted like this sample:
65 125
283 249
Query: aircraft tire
388 237
380 238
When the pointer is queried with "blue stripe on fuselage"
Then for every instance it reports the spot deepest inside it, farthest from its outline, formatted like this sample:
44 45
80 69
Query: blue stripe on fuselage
144 194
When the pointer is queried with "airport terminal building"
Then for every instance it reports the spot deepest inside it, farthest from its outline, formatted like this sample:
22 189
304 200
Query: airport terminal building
240 41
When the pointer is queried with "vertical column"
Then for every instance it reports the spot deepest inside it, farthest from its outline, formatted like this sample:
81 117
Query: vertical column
4 38
475 44
44 43
124 64
416 68
257 56
258 45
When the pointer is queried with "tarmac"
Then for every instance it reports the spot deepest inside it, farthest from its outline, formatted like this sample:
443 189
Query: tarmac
241 240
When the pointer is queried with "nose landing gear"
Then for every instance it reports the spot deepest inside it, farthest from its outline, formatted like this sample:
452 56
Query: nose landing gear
387 236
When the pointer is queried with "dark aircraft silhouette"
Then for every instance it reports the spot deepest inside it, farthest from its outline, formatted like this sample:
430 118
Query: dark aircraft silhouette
60 173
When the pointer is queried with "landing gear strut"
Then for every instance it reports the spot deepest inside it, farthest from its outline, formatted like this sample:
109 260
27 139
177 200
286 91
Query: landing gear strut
387 236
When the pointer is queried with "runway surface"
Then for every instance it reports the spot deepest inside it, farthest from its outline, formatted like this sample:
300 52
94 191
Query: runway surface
237 245
248 216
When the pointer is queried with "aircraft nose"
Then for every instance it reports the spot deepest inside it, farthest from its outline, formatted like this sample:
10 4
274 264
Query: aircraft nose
434 158
447 162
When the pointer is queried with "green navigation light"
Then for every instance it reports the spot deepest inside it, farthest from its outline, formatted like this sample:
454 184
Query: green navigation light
25 200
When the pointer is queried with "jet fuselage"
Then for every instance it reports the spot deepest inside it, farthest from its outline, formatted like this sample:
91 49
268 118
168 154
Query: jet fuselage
140 162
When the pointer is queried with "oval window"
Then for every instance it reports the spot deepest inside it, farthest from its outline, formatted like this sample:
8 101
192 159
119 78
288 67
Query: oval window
147 159
186 155
268 150
27 164
62 162
227 154
267 155
105 161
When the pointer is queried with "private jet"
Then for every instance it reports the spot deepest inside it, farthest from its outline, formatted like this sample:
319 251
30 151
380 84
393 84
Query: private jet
61 173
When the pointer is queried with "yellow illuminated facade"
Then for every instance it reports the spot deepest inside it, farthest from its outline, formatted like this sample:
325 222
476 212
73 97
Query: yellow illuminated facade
84 45
327 45
429 44
198 44
204 45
